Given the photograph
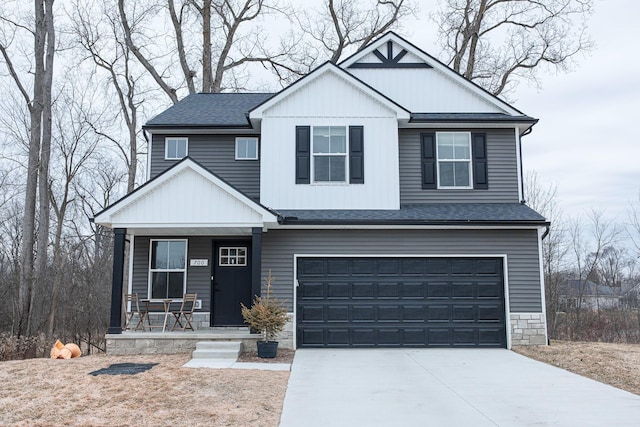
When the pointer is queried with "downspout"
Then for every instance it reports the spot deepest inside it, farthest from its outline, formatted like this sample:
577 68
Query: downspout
146 138
525 133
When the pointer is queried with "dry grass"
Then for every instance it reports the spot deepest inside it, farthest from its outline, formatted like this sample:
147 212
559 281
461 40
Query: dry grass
614 364
49 392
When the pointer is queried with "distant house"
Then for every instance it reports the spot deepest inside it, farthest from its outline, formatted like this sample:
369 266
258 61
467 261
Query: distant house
588 294
384 192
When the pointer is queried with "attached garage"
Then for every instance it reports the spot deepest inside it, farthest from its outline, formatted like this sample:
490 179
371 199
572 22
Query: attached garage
400 302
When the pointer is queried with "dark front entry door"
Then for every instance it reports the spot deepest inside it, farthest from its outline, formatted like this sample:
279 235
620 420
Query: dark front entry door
231 281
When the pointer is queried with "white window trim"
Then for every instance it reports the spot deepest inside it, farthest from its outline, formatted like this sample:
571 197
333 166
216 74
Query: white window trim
346 158
149 270
166 147
450 187
254 138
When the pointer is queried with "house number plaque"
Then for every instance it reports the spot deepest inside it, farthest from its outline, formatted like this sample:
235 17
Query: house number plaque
199 262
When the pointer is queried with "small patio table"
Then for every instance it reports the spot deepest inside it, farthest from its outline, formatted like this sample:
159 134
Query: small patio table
163 305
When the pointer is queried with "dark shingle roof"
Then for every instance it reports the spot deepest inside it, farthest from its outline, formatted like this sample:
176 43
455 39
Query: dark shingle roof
433 213
469 117
210 110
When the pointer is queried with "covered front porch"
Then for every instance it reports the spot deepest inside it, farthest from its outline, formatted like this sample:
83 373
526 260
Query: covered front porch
187 232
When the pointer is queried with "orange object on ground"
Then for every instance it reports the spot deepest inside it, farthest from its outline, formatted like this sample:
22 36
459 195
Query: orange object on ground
68 351
75 350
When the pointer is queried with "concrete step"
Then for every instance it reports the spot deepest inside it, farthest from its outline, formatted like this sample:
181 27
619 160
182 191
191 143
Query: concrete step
217 350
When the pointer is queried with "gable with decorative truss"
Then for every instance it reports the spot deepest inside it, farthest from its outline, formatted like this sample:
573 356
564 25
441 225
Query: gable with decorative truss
418 81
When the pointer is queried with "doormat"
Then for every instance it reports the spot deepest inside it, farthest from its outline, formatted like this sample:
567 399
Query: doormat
124 369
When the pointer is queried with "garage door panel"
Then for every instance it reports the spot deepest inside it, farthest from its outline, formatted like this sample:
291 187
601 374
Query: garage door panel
363 337
312 290
462 267
439 313
490 290
437 290
437 267
394 302
337 337
363 313
466 337
462 290
338 267
414 313
413 290
337 313
389 290
311 267
413 267
464 313
338 290
389 337
388 267
389 313
312 313
363 290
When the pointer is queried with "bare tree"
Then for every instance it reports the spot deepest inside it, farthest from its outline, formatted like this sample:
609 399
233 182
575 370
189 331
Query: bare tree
634 224
75 145
544 200
343 24
231 39
496 43
587 250
100 34
39 106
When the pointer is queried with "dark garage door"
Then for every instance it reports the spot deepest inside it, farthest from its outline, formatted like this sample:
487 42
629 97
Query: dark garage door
400 302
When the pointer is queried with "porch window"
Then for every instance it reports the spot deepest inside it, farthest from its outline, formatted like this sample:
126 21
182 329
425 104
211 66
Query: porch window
233 256
167 269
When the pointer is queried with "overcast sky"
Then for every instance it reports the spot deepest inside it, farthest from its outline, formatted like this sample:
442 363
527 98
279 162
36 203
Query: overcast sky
584 142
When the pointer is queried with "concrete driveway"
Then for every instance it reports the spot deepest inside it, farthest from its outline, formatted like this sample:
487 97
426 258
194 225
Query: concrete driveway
445 387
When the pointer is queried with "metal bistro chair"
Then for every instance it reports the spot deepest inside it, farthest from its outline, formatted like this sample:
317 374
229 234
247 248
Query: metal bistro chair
186 312
132 300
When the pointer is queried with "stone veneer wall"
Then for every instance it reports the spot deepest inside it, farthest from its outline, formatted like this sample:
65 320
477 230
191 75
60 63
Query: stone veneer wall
528 329
156 342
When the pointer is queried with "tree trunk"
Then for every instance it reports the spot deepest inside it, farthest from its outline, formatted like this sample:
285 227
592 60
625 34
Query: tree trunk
207 73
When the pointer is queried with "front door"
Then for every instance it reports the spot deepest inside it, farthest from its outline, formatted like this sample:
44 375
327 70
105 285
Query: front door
231 283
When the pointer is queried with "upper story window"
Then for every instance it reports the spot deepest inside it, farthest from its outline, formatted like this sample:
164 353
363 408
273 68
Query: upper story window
167 269
454 159
329 154
246 148
175 148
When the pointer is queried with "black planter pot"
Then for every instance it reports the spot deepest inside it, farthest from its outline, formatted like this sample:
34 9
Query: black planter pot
267 349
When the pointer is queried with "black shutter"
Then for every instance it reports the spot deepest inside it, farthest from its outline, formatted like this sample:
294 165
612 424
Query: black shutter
428 147
480 178
303 154
356 155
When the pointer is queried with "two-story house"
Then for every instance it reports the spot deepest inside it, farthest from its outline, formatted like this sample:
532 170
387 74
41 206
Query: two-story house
384 193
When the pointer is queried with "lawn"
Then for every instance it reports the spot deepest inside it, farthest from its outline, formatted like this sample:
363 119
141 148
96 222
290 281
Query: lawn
614 364
49 392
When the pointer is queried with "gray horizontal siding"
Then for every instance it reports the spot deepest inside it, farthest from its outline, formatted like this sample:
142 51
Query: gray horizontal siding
520 246
217 154
198 278
502 171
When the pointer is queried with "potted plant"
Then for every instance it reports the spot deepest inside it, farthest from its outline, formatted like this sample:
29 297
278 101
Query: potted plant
268 316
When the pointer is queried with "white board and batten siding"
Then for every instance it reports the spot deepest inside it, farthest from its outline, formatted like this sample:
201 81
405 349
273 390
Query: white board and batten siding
188 198
329 100
424 90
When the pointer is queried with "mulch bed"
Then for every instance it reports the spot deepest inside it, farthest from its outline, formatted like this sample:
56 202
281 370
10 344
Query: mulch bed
283 356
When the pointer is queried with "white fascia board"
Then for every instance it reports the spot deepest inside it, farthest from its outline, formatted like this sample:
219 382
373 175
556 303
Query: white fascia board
202 131
465 125
437 65
104 218
401 113
405 227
